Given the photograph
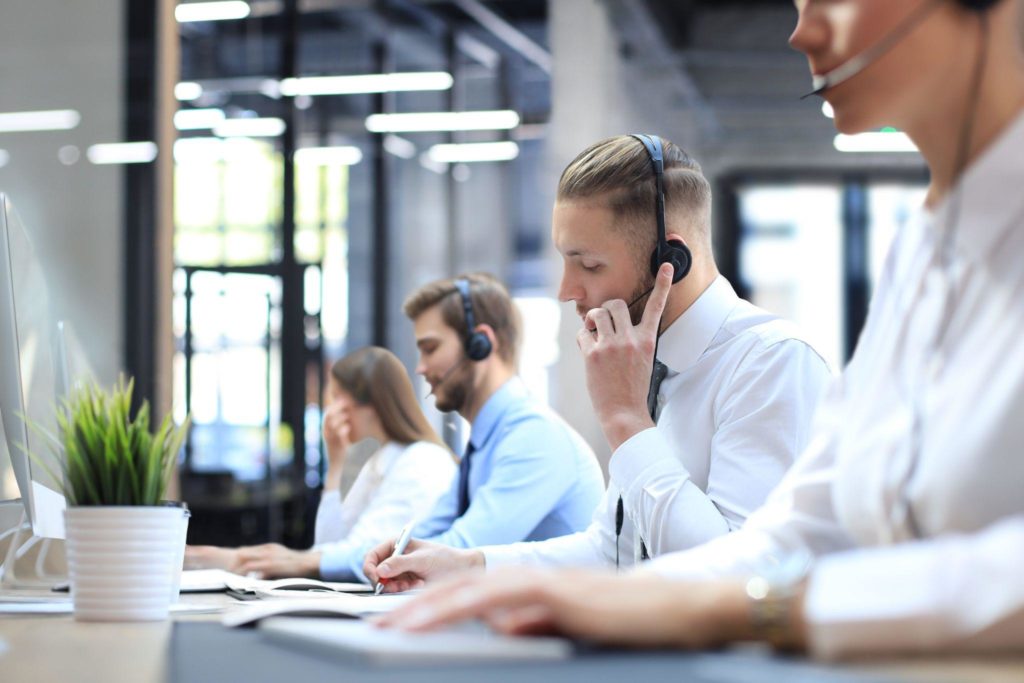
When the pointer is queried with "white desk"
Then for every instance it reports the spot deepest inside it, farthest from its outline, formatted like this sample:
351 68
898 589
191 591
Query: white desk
58 649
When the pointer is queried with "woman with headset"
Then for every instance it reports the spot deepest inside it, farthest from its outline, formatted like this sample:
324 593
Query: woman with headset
369 396
901 526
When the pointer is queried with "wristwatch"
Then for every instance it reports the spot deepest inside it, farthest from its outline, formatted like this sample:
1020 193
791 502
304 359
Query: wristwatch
773 599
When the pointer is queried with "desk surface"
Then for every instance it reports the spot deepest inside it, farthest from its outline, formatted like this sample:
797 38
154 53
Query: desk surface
195 647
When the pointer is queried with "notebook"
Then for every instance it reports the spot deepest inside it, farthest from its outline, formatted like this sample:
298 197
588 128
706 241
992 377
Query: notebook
359 639
218 580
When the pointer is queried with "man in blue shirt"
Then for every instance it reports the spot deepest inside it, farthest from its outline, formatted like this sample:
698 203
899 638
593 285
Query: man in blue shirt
525 475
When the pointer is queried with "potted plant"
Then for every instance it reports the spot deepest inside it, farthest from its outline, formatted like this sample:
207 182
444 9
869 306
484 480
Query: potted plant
124 542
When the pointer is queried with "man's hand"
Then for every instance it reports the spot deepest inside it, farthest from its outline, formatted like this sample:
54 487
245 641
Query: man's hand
421 563
271 560
618 358
211 557
633 611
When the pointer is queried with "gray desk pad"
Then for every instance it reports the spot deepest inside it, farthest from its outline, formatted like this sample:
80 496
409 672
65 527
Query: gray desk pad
204 651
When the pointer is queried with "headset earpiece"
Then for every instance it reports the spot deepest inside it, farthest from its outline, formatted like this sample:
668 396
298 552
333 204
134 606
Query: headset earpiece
676 253
476 344
665 251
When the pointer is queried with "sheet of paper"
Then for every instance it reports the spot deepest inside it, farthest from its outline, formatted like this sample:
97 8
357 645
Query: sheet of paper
36 607
340 604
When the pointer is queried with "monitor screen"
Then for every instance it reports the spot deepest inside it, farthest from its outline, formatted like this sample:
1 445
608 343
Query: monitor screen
29 376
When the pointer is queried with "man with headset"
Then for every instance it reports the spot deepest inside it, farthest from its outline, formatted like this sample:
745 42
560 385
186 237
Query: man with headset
732 394
525 474
907 500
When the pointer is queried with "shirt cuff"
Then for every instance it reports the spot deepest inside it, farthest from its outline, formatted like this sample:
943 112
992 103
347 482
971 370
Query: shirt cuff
874 600
336 564
496 556
643 457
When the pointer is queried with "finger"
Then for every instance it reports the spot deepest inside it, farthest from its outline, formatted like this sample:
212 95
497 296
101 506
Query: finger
429 599
601 320
656 303
375 557
415 563
533 620
586 340
475 600
619 313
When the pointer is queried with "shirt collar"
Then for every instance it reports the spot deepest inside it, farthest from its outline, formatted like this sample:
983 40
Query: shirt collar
990 195
487 419
686 340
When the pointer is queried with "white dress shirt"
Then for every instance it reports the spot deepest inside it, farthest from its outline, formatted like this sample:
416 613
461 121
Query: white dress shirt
734 411
397 484
918 545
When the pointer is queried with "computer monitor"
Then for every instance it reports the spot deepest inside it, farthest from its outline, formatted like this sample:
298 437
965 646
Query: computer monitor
33 374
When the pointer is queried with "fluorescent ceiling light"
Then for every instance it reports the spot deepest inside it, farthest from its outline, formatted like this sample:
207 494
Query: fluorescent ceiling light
250 128
198 119
368 83
475 151
211 11
441 121
827 110
4 157
122 153
399 146
54 119
884 141
187 90
329 156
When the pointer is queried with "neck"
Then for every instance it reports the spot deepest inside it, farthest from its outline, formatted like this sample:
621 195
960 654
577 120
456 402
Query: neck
486 380
684 293
939 130
377 433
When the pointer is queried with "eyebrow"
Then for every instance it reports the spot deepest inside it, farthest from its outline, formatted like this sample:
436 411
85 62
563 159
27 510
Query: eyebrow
426 340
578 252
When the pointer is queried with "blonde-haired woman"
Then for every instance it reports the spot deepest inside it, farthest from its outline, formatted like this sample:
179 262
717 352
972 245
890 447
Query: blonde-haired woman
369 396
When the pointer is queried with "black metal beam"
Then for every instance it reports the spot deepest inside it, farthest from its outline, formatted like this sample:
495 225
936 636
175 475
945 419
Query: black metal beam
139 255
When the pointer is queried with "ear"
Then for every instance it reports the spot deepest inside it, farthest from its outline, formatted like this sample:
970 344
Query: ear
675 236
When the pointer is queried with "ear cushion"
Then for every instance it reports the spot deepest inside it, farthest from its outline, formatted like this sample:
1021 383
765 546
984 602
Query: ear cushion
478 346
978 5
676 253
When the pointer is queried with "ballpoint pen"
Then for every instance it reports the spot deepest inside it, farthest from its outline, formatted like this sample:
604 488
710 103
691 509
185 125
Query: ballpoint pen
403 540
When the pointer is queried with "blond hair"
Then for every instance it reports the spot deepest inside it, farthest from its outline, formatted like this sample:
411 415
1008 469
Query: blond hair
617 174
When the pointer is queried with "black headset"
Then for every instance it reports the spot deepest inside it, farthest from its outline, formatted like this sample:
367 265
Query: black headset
477 344
674 252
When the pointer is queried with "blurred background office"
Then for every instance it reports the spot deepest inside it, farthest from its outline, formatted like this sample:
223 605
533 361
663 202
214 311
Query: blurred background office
228 196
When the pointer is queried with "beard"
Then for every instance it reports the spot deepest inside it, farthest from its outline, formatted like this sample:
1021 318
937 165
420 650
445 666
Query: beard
637 301
451 393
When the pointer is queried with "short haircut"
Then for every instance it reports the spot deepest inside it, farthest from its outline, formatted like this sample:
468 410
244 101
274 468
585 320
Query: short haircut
617 173
492 305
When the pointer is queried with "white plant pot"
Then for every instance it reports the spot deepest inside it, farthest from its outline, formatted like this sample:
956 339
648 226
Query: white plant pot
124 561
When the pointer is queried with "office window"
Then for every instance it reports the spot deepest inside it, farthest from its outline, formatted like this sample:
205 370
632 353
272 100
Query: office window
791 257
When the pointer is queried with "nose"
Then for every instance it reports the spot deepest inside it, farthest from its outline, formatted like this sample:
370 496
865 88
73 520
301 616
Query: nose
810 34
421 368
568 288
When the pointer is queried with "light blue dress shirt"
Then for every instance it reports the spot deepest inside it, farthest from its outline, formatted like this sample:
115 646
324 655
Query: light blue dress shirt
531 477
